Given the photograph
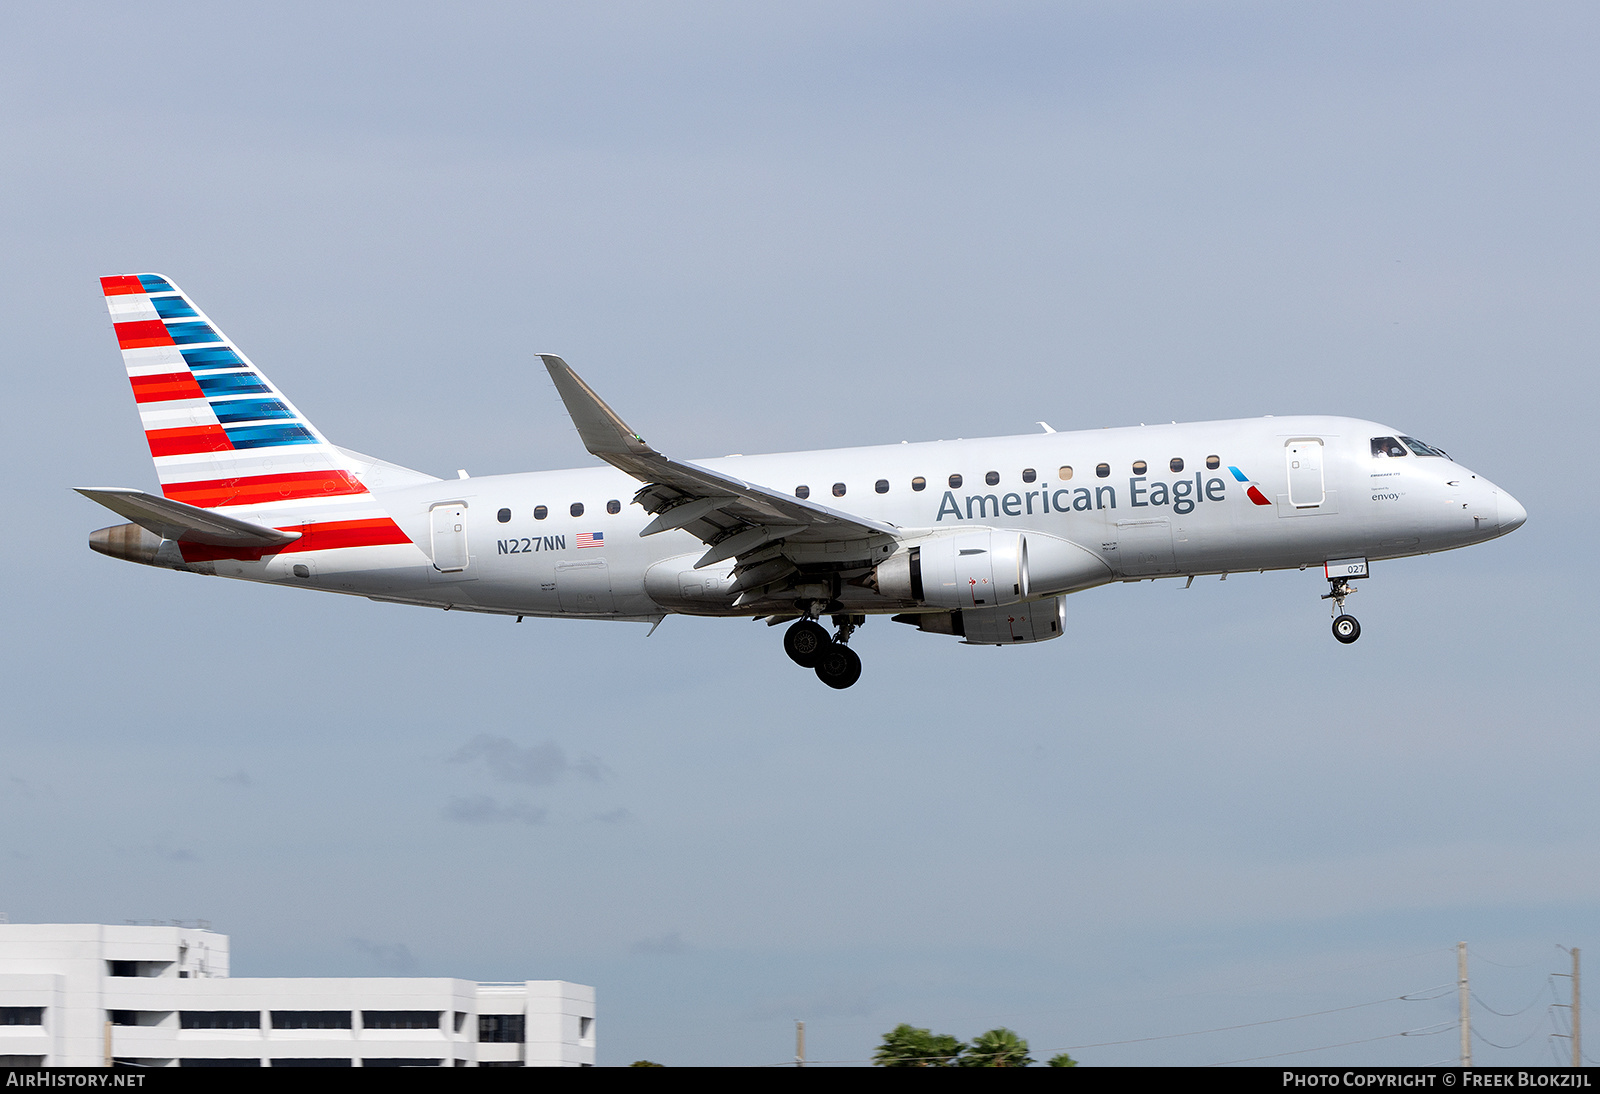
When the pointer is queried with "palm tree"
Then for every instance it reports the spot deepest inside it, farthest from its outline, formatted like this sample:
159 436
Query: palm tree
997 1048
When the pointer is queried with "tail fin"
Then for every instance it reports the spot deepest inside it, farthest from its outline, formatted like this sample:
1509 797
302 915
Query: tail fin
220 433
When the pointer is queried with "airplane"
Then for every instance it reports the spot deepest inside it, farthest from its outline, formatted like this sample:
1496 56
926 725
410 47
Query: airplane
980 540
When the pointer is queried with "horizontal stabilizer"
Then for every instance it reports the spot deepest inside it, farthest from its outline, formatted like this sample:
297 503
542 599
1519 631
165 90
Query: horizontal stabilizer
175 520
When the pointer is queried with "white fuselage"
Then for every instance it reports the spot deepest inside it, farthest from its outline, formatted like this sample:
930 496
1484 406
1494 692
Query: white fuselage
1320 494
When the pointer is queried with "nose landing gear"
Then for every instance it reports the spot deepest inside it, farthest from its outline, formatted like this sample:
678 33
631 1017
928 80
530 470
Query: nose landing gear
1345 627
808 645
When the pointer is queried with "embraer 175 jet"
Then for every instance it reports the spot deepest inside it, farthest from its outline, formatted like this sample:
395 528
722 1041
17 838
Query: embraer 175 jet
978 539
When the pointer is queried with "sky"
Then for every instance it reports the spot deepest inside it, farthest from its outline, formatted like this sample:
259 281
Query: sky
769 228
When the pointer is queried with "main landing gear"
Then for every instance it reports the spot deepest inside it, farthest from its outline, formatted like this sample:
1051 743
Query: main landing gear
1345 627
808 645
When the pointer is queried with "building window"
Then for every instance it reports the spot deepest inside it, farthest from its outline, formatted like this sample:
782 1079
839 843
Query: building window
577 509
955 482
503 516
1140 467
613 507
400 1019
1176 464
219 1019
881 486
209 1061
1213 462
919 483
1103 470
992 478
310 1019
503 1028
838 489
310 1061
802 492
29 1016
540 512
399 1061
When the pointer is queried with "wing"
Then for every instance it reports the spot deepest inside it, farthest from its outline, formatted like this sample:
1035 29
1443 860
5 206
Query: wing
773 536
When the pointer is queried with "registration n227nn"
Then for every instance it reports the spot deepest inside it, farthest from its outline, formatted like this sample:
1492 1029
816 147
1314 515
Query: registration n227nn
977 539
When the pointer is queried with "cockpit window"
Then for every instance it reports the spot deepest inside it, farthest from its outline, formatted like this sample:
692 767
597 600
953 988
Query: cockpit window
1425 449
1387 446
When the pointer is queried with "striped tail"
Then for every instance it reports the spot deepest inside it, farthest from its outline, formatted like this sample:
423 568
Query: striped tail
222 436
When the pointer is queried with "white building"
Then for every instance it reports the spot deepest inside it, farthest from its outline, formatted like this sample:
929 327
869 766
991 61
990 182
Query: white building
84 994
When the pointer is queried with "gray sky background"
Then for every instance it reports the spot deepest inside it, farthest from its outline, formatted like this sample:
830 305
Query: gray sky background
755 230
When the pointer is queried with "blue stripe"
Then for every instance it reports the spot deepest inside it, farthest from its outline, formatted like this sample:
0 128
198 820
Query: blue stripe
172 307
212 358
187 333
250 410
230 383
152 283
1237 473
268 436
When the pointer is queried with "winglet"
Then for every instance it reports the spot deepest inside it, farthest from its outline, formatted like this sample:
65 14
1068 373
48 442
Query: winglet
603 433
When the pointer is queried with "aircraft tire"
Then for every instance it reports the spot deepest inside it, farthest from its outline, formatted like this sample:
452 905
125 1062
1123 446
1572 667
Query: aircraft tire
806 643
1346 629
840 667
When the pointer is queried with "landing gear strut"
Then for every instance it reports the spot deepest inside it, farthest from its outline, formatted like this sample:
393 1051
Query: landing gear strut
808 645
1345 627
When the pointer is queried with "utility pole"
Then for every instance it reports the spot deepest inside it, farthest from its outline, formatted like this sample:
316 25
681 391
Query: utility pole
1466 1013
799 1043
1577 1011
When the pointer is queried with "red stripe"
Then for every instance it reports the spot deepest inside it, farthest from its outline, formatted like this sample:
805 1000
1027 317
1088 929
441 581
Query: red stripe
188 439
121 285
255 489
165 387
142 333
1256 496
329 536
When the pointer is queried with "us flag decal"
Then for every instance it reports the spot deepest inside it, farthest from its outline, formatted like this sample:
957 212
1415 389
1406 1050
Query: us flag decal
591 539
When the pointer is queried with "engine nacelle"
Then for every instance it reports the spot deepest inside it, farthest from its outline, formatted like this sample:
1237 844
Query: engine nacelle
1038 621
988 568
968 570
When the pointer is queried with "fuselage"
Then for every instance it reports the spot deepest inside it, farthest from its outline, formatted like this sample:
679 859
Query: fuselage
1147 501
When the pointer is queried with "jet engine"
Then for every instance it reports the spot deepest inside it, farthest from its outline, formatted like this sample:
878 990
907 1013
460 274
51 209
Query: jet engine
988 568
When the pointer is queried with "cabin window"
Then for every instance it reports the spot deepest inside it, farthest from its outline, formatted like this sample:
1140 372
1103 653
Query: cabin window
577 509
992 478
613 507
802 492
1029 474
540 512
1176 464
955 482
881 486
1065 473
1140 467
1425 449
838 489
1213 462
1103 470
1387 446
919 483
503 516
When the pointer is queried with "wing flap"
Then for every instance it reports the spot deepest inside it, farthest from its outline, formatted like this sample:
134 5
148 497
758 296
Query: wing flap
190 524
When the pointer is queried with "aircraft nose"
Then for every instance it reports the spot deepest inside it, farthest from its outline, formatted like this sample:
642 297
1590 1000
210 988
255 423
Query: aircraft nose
1511 512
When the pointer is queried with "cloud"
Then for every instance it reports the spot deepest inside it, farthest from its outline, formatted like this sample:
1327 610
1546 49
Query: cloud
666 945
483 809
394 956
533 765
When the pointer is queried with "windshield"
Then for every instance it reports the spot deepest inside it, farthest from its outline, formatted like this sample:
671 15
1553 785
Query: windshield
1424 449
